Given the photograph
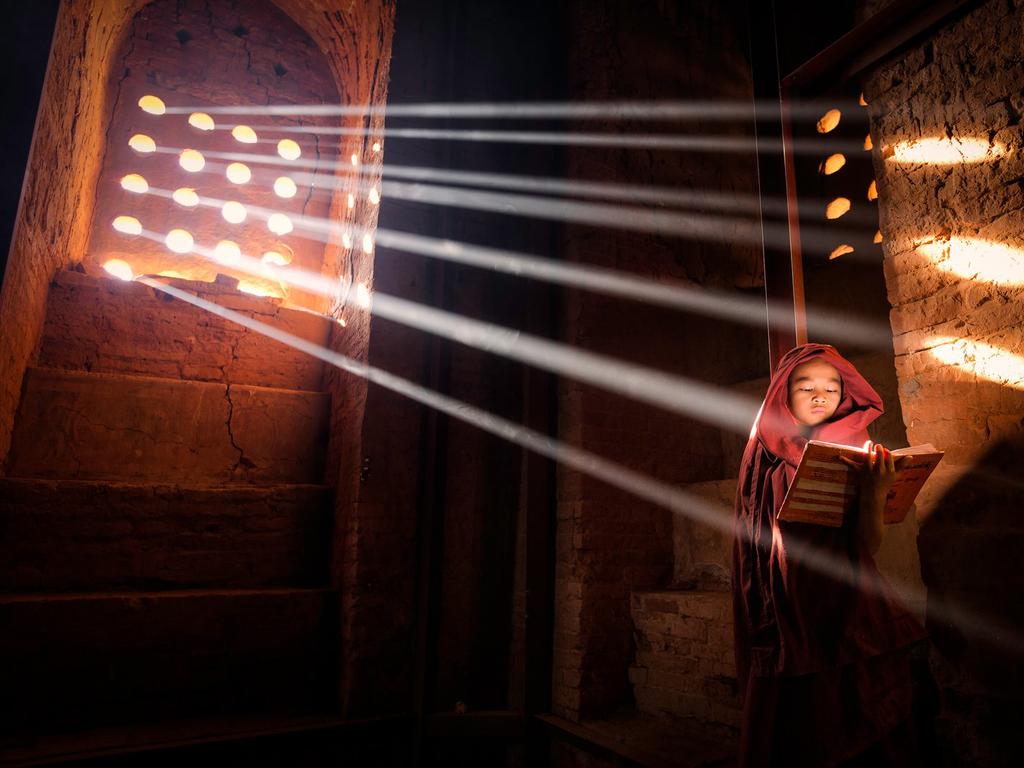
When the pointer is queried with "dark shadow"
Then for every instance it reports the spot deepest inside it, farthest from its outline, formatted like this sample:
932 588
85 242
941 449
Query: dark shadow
971 546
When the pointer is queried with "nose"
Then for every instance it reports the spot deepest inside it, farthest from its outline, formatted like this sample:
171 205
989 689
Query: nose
818 398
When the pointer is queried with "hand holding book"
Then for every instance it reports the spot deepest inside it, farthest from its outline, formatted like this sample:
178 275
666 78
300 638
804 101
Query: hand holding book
827 485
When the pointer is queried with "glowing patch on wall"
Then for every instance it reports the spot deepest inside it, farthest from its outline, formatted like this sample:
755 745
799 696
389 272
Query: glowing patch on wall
829 121
233 212
284 187
154 105
127 225
142 143
238 173
942 151
289 149
201 121
120 269
227 252
185 196
192 160
244 134
179 241
977 259
983 360
133 182
837 208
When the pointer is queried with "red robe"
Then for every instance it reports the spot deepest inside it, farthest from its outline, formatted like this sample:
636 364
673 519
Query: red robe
821 659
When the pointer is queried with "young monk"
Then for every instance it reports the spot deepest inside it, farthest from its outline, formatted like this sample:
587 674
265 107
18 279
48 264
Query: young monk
822 643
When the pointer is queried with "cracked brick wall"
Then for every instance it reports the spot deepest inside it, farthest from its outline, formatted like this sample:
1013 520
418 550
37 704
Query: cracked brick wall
608 543
954 229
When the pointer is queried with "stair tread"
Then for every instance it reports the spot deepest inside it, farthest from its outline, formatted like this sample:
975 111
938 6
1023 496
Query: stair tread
71 373
112 740
100 324
77 425
27 597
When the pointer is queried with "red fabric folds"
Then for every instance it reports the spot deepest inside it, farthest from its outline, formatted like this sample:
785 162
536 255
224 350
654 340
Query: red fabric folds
817 645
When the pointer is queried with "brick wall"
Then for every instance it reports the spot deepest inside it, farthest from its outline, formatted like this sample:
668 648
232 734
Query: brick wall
609 544
953 230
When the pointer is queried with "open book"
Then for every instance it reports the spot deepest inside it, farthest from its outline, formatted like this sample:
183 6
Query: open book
825 489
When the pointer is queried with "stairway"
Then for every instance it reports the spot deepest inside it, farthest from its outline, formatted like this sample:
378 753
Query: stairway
164 523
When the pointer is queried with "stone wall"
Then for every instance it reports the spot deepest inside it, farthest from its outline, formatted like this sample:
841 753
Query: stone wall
953 220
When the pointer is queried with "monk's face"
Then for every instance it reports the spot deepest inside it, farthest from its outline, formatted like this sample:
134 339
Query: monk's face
815 389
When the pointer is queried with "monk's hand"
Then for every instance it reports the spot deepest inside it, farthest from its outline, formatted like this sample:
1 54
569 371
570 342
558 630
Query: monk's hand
876 474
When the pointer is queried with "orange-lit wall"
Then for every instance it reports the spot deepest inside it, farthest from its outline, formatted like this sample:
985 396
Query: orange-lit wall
946 118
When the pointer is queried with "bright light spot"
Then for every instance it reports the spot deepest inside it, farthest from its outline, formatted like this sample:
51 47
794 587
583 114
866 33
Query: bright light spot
185 196
976 259
179 241
154 105
983 360
367 244
374 196
172 273
276 258
945 151
354 159
376 146
133 182
342 323
233 212
289 149
346 239
142 143
227 252
238 173
257 289
832 164
284 187
363 296
872 190
119 269
279 224
842 250
878 237
868 144
829 121
351 201
202 121
861 100
128 225
244 134
837 208
191 160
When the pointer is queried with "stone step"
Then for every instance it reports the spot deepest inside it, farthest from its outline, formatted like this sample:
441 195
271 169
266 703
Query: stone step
111 326
703 551
684 655
92 426
60 535
92 659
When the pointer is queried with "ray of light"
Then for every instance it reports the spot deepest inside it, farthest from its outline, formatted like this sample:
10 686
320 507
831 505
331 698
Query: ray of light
649 141
985 361
978 259
703 111
688 397
834 326
616 475
632 193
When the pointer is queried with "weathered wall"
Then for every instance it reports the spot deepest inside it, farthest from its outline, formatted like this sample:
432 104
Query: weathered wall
608 543
954 228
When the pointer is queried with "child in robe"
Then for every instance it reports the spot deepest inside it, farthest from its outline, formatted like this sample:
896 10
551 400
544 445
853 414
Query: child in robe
822 654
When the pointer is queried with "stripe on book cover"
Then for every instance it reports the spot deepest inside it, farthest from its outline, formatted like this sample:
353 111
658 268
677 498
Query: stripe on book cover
815 507
821 485
833 465
825 495
819 503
